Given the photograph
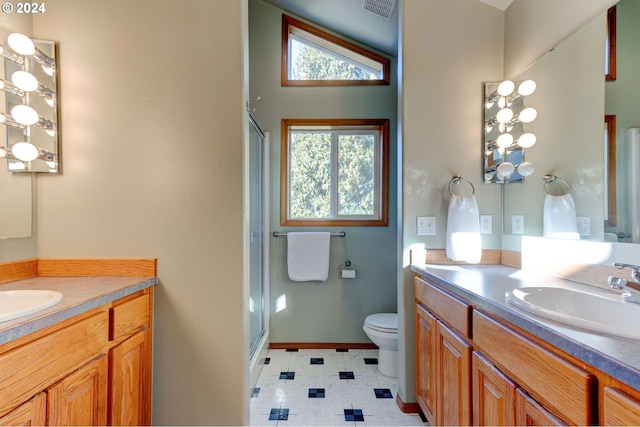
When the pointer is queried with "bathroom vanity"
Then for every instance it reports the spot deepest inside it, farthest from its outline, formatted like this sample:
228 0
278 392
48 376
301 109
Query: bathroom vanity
480 360
86 360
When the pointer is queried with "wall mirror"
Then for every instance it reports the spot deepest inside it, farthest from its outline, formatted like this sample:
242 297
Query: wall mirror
572 99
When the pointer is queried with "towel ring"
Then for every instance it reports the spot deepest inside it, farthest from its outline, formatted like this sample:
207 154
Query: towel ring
548 179
457 179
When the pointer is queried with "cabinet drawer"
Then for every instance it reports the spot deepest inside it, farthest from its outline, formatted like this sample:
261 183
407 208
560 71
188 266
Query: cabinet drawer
453 311
129 317
560 386
28 369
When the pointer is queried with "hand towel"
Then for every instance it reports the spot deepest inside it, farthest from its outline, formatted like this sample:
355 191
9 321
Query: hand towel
463 230
559 217
308 256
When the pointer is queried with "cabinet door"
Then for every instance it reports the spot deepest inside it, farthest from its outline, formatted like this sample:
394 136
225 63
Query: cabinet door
425 361
32 413
130 378
531 413
620 409
494 394
80 399
454 378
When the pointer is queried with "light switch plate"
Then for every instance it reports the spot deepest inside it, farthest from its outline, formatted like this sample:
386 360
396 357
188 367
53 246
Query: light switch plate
426 226
584 225
517 224
486 224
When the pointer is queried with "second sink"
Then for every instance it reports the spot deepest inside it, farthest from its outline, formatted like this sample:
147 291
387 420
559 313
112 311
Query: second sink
601 312
18 303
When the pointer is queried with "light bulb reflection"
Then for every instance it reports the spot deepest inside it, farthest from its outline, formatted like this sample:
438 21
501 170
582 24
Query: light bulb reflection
25 115
25 151
527 140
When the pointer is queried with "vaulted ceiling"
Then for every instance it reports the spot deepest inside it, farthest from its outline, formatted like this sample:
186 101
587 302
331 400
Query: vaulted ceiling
347 17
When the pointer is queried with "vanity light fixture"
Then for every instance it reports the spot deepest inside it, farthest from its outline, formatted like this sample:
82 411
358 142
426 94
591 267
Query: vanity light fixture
31 115
505 116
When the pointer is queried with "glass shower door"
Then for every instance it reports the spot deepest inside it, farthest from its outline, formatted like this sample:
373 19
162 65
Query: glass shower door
256 237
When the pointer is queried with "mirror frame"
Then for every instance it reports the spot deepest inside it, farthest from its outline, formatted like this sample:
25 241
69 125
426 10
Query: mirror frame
610 176
610 60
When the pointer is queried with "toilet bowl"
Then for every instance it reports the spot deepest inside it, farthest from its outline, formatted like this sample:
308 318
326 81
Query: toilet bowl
382 329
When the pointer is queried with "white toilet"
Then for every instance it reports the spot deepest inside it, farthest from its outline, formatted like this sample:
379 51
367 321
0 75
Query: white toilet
382 329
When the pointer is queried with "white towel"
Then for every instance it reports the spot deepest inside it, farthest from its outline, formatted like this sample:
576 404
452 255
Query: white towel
559 217
463 230
308 256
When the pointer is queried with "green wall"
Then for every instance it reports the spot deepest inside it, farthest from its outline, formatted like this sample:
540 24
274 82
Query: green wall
332 311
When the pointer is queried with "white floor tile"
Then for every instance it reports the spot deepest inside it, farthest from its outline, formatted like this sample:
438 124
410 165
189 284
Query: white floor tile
340 394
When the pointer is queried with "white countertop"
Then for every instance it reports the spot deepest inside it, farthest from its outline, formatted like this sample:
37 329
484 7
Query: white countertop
485 287
80 294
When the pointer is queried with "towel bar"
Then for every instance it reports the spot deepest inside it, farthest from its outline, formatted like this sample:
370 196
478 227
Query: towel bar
282 233
457 179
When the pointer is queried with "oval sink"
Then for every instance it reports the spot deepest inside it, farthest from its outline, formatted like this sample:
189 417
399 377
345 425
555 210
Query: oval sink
594 311
18 303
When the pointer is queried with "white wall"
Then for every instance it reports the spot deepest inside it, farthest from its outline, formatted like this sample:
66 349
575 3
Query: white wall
449 48
152 130
533 27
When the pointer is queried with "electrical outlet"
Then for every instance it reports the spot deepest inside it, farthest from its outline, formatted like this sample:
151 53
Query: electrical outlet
584 225
426 226
517 224
486 224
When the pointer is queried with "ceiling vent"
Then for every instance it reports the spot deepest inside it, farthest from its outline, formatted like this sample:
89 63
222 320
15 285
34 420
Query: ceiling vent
382 8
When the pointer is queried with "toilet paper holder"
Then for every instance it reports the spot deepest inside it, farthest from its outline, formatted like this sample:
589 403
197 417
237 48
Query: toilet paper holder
345 272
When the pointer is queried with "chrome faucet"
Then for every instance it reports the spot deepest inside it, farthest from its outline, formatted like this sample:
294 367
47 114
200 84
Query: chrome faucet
630 289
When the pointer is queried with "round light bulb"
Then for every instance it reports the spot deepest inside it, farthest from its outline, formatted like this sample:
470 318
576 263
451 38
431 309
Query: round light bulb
527 140
527 87
505 115
505 140
506 169
526 168
25 115
21 44
506 88
25 151
528 115
25 81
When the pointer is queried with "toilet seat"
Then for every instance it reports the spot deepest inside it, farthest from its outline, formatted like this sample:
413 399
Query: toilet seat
382 322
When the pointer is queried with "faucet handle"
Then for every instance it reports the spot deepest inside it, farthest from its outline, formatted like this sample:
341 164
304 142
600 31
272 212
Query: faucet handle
616 283
635 269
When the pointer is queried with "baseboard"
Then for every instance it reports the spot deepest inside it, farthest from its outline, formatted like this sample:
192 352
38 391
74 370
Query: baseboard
322 346
409 408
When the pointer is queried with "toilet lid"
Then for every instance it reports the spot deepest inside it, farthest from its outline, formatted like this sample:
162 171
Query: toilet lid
383 321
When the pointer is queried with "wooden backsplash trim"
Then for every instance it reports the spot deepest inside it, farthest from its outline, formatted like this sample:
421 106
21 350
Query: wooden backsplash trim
77 267
121 267
18 270
439 256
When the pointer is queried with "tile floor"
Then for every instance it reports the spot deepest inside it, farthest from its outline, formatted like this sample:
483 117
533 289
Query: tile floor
326 388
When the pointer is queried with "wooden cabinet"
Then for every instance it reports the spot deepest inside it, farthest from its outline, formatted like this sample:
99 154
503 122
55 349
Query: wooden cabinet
31 413
531 413
620 409
443 356
493 394
454 378
425 357
92 369
80 399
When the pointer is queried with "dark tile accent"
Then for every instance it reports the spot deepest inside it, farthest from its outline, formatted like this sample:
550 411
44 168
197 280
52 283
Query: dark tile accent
279 414
342 350
267 360
292 350
353 415
287 375
346 375
317 360
370 361
316 393
256 392
383 393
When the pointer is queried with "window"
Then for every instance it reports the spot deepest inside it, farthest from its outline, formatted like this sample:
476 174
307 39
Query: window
312 57
334 172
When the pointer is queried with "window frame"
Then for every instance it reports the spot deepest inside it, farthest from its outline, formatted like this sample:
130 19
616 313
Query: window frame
382 172
288 21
